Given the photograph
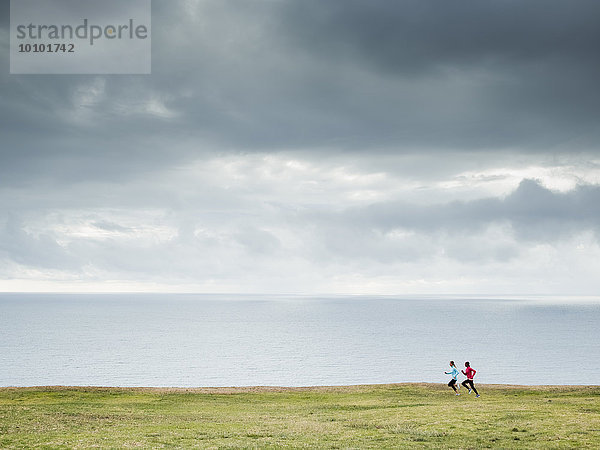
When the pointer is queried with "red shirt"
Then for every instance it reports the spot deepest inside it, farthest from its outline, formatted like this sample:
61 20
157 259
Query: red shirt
470 373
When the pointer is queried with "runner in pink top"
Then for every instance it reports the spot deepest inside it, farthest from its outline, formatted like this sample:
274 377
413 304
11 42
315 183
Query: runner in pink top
470 373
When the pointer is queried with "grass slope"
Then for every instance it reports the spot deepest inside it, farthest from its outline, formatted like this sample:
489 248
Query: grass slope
381 416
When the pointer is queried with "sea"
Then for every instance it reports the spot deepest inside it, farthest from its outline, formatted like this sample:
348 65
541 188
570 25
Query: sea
190 340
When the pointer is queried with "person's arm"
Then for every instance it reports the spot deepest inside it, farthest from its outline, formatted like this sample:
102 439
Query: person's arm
474 371
463 372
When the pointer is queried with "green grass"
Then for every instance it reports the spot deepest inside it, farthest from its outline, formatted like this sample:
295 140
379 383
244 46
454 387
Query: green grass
381 416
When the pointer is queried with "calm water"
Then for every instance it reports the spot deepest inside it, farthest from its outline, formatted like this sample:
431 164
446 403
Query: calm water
191 340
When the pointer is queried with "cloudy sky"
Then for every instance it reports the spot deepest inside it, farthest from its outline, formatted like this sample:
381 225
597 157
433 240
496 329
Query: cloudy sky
311 146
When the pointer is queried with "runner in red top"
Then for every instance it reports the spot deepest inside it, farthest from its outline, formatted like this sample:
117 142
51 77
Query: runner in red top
470 373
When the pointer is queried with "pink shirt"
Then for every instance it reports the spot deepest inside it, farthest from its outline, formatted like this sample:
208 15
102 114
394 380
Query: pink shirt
470 373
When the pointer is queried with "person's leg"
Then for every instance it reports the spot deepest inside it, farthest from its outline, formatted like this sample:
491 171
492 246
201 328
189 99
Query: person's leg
452 384
474 390
466 384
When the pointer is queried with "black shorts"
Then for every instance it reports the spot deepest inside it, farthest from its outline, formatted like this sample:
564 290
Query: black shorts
452 382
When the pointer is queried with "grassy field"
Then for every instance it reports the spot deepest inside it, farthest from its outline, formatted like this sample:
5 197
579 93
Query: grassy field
380 416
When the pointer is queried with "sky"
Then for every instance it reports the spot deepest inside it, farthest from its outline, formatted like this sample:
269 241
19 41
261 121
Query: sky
314 147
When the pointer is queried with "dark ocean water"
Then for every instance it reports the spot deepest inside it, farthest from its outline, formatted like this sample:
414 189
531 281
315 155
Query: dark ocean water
202 340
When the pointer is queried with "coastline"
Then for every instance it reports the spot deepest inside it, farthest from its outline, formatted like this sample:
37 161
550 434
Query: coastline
319 388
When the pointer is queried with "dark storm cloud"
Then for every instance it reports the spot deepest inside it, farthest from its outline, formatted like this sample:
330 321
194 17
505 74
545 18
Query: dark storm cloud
416 36
397 75
497 73
411 76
